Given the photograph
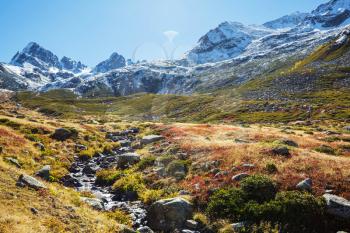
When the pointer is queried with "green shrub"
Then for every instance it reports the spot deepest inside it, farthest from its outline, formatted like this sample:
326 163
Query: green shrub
258 188
149 196
32 138
86 154
130 183
120 217
296 212
146 162
325 149
226 203
271 168
9 123
107 177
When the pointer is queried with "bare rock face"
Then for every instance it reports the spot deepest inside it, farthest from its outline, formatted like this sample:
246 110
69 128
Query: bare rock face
337 206
115 61
169 214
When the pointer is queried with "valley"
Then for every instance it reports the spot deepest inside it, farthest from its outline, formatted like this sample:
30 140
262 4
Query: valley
247 132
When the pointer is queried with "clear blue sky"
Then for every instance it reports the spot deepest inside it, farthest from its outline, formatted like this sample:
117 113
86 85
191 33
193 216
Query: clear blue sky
90 30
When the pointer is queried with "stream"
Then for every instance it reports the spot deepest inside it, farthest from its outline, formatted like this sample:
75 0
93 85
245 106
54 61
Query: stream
83 177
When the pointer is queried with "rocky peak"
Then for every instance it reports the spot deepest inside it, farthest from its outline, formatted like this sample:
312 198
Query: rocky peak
115 61
72 65
332 7
228 40
287 21
37 56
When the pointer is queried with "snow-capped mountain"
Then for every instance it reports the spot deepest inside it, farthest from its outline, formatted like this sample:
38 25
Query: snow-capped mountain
230 54
287 21
115 61
226 41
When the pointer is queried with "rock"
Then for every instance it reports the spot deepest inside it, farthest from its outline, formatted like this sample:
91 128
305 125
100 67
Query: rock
305 185
288 142
151 138
127 159
89 169
95 203
14 162
239 177
184 192
34 210
25 180
40 146
124 143
70 181
169 214
44 172
248 165
189 231
144 229
80 147
237 226
337 206
280 150
347 128
191 224
63 134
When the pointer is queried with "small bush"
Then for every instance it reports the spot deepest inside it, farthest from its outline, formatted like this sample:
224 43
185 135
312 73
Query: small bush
130 183
120 217
258 188
202 219
32 138
9 123
146 162
294 211
107 177
149 196
271 168
86 154
226 203
325 149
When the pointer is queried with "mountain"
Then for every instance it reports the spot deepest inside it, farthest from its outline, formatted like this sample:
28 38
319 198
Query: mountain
230 55
287 21
71 65
226 41
115 61
35 55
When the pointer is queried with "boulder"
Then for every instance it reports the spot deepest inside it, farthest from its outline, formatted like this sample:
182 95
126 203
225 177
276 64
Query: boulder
151 138
337 206
127 159
13 161
191 224
95 203
144 229
280 150
239 177
169 214
288 142
238 226
63 134
29 181
70 181
347 128
305 185
44 172
40 146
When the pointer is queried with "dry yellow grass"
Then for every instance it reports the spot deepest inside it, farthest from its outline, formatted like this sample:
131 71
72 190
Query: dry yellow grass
217 142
